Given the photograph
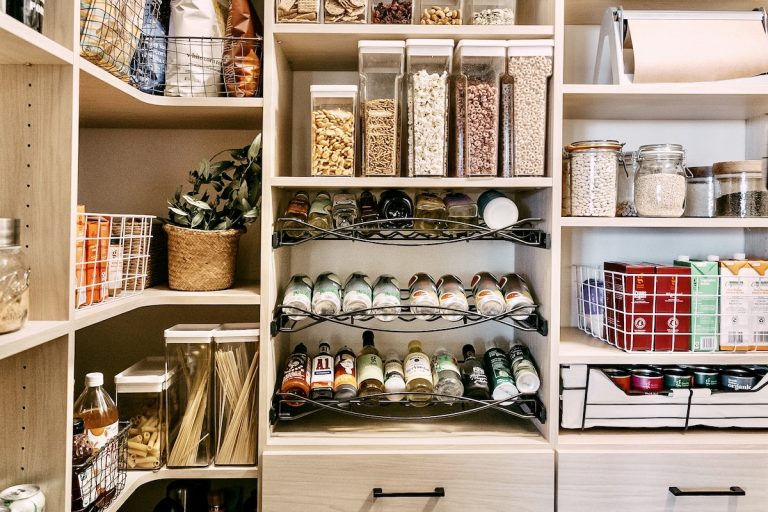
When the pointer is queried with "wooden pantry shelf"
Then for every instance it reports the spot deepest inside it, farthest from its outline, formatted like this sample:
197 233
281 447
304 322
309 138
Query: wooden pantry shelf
108 102
331 182
590 12
136 479
653 222
696 439
577 347
664 101
34 333
306 46
247 293
20 44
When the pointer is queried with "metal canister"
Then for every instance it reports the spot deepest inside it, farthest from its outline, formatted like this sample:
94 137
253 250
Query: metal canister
759 371
647 381
736 379
705 377
620 377
677 378
23 498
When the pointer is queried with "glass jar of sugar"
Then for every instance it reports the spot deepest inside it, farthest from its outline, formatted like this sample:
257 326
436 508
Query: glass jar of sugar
701 191
660 182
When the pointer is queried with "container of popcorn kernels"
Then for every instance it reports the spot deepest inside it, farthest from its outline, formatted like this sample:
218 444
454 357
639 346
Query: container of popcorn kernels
333 130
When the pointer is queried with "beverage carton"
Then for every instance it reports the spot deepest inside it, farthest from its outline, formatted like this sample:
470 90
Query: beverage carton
759 304
705 304
672 309
629 304
736 279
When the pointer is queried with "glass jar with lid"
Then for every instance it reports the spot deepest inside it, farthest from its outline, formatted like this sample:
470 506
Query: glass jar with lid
14 278
381 72
590 173
625 185
742 189
660 182
701 192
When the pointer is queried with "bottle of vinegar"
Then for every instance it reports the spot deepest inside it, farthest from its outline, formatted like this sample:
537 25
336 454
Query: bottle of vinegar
98 411
418 374
370 369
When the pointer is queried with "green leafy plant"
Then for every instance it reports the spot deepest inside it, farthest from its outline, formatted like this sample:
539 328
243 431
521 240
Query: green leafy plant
225 194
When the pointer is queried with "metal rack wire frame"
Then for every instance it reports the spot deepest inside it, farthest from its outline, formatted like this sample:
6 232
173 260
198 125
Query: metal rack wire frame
111 253
623 310
102 476
381 232
283 323
521 406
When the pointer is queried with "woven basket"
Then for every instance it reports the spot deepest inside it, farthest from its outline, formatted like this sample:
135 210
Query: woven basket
199 260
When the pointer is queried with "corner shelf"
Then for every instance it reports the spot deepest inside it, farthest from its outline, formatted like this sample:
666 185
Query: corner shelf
437 182
20 44
34 333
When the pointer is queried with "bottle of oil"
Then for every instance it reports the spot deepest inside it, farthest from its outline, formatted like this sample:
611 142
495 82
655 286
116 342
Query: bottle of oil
370 370
418 374
98 411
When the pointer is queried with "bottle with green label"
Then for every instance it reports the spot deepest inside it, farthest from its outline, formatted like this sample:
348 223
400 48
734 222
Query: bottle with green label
418 374
446 376
525 374
502 381
326 295
473 374
370 368
298 297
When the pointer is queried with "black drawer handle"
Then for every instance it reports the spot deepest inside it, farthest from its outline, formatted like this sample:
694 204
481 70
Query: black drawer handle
733 491
439 492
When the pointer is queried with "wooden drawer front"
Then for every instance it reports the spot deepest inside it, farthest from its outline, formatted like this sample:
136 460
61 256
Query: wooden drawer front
473 481
640 482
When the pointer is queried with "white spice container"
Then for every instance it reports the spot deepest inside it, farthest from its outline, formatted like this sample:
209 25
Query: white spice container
381 66
700 193
591 171
660 182
333 130
428 66
524 95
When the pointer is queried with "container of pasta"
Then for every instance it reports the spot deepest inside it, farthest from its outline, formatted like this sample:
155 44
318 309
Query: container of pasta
141 399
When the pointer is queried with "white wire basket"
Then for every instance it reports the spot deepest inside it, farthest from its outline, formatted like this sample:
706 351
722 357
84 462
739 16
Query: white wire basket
659 312
111 253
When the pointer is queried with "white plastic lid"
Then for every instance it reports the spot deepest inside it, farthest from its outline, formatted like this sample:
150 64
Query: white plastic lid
146 376
437 47
739 256
234 333
94 379
505 390
684 257
368 46
530 48
500 213
190 333
528 382
333 91
479 48
712 257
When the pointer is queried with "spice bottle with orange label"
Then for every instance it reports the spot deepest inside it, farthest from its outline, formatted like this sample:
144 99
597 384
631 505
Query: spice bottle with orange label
345 375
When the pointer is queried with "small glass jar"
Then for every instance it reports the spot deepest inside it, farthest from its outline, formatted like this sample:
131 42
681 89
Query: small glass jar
344 210
392 12
333 130
460 208
297 210
660 182
369 212
625 185
381 65
428 66
349 11
430 210
297 11
476 95
492 12
742 189
592 167
700 192
14 278
442 12
396 204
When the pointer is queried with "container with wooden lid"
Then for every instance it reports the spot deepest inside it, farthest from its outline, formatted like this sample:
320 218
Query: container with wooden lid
742 189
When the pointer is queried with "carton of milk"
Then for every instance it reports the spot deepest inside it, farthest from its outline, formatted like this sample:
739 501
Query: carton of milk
759 304
737 277
705 303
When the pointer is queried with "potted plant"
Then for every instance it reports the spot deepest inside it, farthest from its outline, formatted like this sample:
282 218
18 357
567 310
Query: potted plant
205 224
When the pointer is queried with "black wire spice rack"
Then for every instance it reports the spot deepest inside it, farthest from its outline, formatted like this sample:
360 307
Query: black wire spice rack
413 320
379 407
381 232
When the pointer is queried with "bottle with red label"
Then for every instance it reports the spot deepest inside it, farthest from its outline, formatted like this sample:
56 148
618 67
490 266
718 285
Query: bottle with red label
321 383
296 375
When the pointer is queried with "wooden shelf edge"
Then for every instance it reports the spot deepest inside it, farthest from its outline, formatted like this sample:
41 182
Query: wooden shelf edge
34 333
649 222
457 32
638 440
26 45
406 182
687 89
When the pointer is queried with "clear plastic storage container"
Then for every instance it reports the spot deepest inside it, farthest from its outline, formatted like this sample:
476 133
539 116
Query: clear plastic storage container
524 98
345 11
440 12
14 278
701 192
140 393
480 65
742 189
297 11
428 66
333 130
660 182
589 177
188 354
492 12
236 390
381 65
392 12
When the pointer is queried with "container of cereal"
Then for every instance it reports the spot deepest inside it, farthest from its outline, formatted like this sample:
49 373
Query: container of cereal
333 130
700 192
742 189
476 94
660 182
297 11
381 65
524 93
492 12
592 167
345 11
428 66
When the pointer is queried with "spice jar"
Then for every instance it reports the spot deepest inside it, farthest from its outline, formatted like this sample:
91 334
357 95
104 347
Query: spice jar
392 12
444 12
381 72
344 210
460 208
14 278
428 65
333 130
396 204
297 11
492 12
660 181
625 185
742 189
476 95
592 169
430 210
524 94
700 192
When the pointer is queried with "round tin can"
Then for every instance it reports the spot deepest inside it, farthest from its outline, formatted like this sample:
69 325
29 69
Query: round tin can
736 379
705 377
759 371
677 378
647 381
620 377
23 498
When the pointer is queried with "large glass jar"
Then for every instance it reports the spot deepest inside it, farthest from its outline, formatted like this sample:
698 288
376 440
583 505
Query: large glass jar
14 278
476 94
625 185
701 192
742 189
381 72
592 167
660 181
428 66
333 130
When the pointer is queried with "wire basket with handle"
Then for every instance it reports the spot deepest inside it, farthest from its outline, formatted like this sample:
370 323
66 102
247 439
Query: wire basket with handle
101 478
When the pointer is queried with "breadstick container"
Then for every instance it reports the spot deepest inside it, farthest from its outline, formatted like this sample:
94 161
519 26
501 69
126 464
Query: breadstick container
236 362
189 355
141 400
